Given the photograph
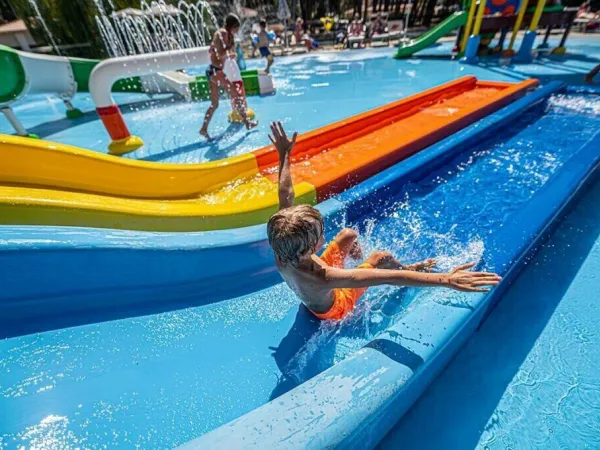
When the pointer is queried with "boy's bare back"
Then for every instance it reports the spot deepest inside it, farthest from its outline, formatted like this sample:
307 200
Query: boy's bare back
309 284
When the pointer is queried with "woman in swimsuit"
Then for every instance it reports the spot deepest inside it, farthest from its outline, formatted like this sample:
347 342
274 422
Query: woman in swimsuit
220 49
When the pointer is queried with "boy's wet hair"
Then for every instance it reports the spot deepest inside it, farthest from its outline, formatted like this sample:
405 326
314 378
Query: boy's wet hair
262 23
293 232
232 21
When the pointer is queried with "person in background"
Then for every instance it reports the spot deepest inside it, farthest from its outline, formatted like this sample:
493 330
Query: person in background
221 48
264 37
340 36
379 27
299 30
584 10
356 27
309 42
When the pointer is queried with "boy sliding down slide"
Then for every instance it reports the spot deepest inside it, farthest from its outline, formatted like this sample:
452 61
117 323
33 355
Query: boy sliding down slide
221 48
325 287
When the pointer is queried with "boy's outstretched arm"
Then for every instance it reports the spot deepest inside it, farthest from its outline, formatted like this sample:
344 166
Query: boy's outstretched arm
460 278
284 147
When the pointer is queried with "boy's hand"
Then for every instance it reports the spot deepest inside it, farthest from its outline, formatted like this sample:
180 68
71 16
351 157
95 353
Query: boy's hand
280 140
463 280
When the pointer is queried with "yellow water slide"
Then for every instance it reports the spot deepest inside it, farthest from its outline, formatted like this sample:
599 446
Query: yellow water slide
72 186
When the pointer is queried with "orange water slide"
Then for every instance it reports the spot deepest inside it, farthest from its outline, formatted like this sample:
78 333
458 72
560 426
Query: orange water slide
344 153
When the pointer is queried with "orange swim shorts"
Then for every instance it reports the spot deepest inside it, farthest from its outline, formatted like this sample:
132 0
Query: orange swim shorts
344 299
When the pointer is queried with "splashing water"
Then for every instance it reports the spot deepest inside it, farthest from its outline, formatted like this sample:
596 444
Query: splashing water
404 232
39 17
155 27
245 23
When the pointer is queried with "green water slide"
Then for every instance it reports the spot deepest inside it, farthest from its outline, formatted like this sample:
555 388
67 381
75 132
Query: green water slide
22 73
458 19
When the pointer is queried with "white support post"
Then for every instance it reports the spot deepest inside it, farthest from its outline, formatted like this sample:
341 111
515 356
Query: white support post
17 125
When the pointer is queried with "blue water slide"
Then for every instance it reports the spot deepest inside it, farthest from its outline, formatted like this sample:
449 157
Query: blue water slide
354 403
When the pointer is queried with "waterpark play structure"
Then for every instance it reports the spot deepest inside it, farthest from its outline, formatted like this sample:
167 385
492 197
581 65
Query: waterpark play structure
109 71
479 22
67 272
27 73
45 183
145 294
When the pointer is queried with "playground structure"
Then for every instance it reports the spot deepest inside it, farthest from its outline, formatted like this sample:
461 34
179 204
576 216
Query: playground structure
480 21
111 70
152 73
482 31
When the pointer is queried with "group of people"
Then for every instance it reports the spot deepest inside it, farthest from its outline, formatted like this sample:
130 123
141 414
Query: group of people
357 29
301 36
223 47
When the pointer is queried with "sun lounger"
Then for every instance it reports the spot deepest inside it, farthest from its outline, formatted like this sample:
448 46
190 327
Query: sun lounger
356 41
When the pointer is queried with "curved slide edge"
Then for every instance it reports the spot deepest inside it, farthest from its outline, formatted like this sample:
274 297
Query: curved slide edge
456 20
65 167
356 402
30 73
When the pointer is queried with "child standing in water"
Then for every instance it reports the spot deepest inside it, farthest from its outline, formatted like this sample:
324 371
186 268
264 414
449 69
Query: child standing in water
325 287
263 44
221 48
